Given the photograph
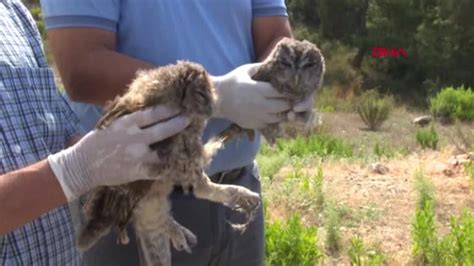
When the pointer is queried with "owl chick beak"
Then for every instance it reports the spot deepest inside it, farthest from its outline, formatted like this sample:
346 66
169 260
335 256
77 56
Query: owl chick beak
296 82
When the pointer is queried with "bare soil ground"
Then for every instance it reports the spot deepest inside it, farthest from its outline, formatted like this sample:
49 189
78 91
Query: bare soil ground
387 202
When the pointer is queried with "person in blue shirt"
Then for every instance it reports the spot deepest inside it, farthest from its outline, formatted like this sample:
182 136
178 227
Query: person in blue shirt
99 45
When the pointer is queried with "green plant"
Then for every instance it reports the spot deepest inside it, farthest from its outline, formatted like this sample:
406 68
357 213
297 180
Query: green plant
462 139
356 251
427 137
360 255
424 234
470 171
270 162
333 235
320 200
329 99
374 109
451 103
291 243
383 150
423 227
301 191
315 145
455 248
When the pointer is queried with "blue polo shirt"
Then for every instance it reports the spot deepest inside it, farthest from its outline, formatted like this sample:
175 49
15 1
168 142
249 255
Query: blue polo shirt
214 33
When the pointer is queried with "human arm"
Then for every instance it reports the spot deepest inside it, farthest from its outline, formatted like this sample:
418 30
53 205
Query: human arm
94 161
87 59
90 66
267 32
28 193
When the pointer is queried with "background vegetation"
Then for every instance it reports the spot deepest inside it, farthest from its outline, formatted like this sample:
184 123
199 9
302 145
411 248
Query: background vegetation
438 36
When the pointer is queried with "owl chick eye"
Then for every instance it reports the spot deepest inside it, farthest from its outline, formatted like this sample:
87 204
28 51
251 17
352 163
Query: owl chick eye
200 97
286 64
309 64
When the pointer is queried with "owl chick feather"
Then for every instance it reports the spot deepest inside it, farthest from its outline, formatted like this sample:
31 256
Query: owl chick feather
295 69
181 160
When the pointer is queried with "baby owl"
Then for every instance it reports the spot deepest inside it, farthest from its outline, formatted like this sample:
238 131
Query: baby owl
181 160
295 69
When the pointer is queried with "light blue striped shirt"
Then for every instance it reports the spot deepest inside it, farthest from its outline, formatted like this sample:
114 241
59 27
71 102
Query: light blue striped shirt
35 121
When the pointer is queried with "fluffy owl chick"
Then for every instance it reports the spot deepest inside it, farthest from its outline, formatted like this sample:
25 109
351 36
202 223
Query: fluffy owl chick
295 69
181 160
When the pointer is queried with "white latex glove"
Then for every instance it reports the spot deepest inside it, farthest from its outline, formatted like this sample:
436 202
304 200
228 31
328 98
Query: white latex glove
246 102
117 154
305 106
304 112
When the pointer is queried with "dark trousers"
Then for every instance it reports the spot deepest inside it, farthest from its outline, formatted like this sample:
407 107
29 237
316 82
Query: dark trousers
218 243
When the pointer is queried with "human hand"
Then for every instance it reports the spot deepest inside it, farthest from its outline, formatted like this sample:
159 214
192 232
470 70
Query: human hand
303 111
246 102
117 154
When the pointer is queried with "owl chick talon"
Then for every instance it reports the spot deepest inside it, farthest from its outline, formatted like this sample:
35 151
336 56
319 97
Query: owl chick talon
181 237
244 201
186 189
123 238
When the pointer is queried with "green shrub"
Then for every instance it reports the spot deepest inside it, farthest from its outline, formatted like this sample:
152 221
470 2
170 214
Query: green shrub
451 103
333 233
270 162
462 138
424 234
424 225
455 248
329 100
299 191
361 256
461 238
374 109
291 243
356 251
383 150
427 137
316 145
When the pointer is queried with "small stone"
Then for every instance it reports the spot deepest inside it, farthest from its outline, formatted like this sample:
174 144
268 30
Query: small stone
422 120
460 159
378 168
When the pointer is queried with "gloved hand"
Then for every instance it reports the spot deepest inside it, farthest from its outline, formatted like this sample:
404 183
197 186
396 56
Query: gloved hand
117 154
246 102
304 113
305 106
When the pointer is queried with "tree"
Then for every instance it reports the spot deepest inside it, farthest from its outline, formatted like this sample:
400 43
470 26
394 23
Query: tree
345 21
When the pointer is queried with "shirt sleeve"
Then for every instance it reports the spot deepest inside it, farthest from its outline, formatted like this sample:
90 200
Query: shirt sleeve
102 14
264 8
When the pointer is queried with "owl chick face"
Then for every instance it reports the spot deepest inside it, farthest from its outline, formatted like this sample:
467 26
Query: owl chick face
299 65
195 94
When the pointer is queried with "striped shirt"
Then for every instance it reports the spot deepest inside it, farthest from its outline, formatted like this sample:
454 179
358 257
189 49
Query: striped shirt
35 120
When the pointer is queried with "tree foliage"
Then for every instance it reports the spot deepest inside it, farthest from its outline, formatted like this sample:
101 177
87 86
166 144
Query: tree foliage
438 36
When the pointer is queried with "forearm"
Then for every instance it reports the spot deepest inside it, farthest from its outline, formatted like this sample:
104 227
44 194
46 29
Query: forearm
104 74
28 193
269 47
267 32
